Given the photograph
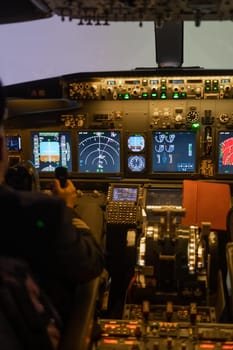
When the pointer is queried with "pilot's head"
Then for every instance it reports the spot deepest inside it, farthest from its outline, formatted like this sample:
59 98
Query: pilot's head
3 146
23 176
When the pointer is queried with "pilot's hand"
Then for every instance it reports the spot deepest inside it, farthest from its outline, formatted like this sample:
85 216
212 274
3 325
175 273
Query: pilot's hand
68 193
79 223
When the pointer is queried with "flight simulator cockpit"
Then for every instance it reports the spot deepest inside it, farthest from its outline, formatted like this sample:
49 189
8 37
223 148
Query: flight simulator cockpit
150 152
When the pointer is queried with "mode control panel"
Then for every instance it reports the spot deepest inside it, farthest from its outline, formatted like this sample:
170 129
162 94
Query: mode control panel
154 87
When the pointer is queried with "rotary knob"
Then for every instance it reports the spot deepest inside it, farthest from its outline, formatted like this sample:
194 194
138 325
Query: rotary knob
192 116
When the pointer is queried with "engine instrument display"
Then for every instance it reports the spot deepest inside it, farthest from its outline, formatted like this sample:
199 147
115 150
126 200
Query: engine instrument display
174 152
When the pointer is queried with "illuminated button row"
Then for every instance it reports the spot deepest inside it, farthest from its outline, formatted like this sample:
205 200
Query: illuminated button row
154 95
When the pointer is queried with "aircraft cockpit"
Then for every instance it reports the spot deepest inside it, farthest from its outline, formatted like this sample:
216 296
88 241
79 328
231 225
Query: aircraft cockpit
150 152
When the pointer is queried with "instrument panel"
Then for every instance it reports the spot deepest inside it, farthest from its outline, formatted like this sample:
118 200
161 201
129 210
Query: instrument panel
142 124
141 335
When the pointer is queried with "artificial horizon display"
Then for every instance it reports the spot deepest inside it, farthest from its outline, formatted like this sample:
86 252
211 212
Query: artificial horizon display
51 149
136 158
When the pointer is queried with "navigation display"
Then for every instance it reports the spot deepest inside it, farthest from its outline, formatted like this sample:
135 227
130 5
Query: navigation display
99 152
225 153
174 152
51 149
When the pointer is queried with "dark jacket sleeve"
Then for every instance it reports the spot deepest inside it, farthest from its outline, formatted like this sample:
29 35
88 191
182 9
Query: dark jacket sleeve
73 254
80 257
40 230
